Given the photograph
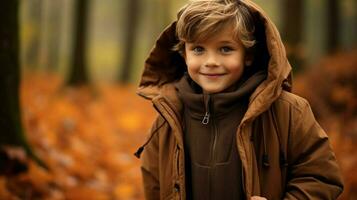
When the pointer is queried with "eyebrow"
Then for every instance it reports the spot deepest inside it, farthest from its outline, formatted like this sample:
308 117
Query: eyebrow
227 42
219 42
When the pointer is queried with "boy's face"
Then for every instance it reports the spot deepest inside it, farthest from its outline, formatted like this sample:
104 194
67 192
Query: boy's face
217 63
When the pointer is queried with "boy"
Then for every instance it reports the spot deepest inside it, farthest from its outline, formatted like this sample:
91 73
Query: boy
228 126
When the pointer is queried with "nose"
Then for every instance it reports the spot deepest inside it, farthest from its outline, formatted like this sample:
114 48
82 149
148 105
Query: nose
211 60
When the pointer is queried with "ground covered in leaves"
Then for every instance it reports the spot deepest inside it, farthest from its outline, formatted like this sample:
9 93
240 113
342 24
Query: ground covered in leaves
87 137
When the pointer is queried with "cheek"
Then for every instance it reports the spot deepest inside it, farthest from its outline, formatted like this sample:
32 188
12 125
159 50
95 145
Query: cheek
192 71
193 64
235 66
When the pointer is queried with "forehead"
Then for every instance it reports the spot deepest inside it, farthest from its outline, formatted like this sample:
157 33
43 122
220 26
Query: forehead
225 34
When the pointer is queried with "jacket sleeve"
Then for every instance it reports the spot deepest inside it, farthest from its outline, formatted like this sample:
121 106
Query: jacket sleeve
313 172
150 162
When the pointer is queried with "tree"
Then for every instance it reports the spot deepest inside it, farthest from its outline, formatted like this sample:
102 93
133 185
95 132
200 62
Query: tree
78 70
333 25
32 53
131 27
292 29
12 136
54 37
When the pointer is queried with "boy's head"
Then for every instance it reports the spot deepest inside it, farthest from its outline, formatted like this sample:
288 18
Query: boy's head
201 19
215 38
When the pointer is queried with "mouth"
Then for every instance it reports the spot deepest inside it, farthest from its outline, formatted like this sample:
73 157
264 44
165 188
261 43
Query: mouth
212 75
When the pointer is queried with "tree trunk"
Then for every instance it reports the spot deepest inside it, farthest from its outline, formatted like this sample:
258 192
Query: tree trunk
55 34
32 55
292 29
78 70
333 25
12 135
130 29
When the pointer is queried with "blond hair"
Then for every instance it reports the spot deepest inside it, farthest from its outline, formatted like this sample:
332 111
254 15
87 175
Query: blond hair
201 19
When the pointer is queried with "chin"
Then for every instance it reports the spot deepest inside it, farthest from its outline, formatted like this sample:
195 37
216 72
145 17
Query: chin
212 91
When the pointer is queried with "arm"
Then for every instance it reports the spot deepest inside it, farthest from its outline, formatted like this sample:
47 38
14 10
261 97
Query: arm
150 163
313 171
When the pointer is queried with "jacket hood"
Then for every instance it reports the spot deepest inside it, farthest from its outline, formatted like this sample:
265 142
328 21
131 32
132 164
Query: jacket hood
165 67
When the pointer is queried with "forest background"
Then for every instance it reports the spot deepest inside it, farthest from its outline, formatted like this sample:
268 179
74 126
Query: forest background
72 121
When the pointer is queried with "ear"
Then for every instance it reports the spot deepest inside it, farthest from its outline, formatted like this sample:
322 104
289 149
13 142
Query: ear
248 60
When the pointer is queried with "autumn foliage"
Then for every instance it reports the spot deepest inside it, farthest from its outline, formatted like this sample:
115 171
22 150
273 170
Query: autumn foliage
87 137
331 88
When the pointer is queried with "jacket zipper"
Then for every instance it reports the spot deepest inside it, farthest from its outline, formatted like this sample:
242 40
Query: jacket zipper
177 186
177 153
163 107
213 155
240 130
205 119
206 102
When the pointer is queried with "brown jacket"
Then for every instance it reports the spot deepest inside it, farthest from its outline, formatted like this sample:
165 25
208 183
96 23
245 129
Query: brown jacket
285 154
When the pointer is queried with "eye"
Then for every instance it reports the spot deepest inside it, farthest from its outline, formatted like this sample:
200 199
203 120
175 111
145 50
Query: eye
198 49
226 49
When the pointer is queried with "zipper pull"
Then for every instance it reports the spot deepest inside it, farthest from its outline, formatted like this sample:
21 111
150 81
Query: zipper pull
205 119
207 102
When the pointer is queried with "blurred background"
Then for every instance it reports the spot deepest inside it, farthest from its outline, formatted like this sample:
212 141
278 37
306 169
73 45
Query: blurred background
70 120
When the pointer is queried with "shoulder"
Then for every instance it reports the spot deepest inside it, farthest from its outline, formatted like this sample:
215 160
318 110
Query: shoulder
292 101
297 110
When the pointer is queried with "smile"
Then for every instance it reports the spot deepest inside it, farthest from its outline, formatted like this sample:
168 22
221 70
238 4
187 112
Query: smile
213 75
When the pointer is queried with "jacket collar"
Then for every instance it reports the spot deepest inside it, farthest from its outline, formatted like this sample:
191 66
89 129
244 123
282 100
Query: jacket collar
219 104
